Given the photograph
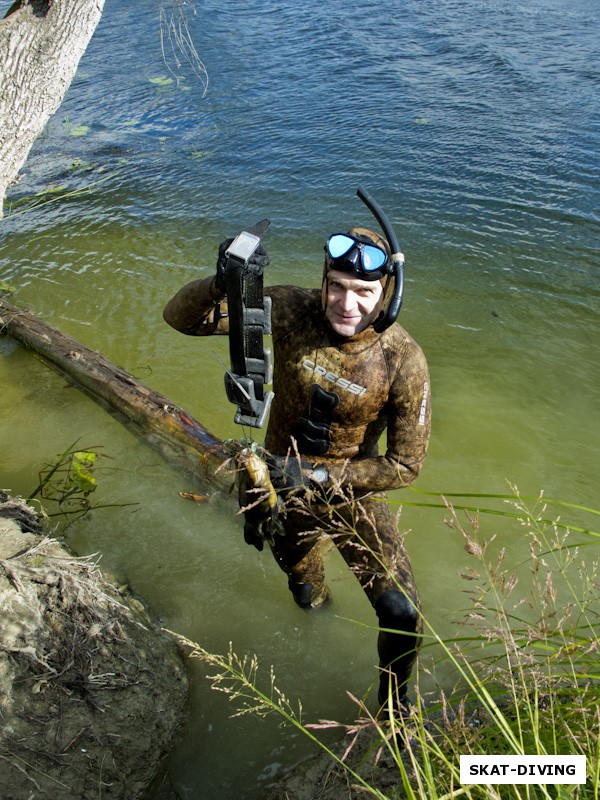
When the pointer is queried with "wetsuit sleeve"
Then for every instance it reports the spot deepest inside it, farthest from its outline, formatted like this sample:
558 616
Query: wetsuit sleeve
408 413
198 309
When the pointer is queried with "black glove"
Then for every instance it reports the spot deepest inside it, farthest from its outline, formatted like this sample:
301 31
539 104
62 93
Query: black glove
288 472
258 259
255 533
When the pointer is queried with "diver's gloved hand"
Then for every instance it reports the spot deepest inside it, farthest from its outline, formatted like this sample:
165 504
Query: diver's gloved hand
254 534
290 472
258 259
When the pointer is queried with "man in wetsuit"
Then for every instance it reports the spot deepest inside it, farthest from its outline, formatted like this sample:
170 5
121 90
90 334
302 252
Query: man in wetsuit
338 384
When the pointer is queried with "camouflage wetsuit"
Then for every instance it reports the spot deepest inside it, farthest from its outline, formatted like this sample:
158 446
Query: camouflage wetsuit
335 396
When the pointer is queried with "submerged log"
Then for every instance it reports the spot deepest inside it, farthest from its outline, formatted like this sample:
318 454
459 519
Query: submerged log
160 423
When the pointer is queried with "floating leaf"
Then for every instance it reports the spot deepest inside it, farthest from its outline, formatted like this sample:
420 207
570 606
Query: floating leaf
80 165
79 130
162 80
86 457
6 288
81 476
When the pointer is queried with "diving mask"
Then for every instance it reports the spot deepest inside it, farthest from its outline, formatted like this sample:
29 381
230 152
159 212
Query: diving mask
358 256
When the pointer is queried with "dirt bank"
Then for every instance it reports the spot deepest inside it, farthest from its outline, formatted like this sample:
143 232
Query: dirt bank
323 778
91 692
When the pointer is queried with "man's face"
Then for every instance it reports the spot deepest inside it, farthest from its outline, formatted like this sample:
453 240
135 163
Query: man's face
351 304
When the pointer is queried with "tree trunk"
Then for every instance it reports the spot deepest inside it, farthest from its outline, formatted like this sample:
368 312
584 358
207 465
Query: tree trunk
163 425
41 43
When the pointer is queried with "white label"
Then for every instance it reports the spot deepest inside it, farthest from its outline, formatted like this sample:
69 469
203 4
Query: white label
522 769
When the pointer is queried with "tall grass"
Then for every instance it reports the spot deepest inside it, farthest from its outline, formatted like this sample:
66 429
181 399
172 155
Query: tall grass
524 672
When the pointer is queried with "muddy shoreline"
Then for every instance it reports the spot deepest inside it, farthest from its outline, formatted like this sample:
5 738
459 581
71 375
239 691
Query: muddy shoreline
92 692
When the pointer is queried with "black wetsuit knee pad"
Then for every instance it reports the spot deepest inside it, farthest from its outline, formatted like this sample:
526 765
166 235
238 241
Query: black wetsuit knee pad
394 610
302 593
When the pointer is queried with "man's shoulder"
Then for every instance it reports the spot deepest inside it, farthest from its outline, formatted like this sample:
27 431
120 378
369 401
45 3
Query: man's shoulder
397 340
396 333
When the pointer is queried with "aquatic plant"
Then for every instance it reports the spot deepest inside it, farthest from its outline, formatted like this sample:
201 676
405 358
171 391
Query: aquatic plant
54 194
177 43
67 484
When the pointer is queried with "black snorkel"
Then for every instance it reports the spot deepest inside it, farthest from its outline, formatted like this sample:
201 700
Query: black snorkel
389 314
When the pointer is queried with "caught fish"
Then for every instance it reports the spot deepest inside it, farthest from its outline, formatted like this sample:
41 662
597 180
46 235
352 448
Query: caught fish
256 481
257 497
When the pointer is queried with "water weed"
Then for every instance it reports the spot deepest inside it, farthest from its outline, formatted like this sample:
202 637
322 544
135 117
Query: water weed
66 485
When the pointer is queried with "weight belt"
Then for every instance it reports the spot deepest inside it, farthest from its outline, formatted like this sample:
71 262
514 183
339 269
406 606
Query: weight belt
251 363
